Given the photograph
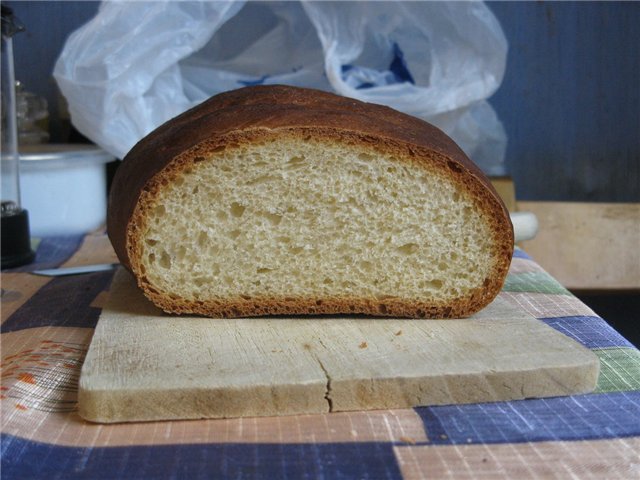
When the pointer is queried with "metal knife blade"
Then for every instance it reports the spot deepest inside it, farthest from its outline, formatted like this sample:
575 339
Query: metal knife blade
59 272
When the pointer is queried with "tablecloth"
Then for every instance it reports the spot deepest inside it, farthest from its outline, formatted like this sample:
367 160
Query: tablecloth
47 324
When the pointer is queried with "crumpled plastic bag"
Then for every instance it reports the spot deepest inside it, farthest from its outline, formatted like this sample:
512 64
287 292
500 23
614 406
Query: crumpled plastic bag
138 64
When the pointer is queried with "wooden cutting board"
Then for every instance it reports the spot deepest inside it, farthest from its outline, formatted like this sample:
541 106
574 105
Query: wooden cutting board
145 365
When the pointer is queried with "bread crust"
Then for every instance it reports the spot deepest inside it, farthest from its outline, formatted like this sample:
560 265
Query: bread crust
262 113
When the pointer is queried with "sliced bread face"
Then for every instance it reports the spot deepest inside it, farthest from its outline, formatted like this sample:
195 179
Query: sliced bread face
320 216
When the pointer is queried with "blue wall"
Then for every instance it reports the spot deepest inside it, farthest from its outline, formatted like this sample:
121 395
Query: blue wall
569 101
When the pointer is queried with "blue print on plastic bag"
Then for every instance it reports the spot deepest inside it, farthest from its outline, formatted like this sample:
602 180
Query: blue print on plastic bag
250 83
363 77
399 66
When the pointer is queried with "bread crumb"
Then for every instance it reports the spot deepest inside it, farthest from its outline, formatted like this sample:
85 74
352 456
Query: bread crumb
409 440
399 332
363 345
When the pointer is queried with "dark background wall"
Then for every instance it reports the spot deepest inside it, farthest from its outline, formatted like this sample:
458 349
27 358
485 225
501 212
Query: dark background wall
569 100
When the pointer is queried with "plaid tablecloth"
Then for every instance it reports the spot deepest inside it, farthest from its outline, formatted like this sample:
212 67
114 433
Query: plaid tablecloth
47 325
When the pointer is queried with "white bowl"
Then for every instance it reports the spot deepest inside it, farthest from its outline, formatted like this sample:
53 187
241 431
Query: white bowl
64 187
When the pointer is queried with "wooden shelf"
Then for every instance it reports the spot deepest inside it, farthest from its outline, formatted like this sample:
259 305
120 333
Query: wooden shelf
588 246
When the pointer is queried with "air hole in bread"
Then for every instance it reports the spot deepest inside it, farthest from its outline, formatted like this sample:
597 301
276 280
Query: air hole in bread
272 218
200 281
408 248
237 210
159 211
434 284
366 265
202 239
262 179
165 260
295 162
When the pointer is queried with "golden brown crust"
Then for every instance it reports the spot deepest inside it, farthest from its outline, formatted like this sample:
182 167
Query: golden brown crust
255 114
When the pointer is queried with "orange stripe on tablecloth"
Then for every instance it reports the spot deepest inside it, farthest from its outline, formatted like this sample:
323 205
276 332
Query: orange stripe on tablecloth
591 459
39 372
47 406
68 429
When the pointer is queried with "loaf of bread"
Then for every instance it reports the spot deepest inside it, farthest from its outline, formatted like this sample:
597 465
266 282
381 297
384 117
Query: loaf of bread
279 200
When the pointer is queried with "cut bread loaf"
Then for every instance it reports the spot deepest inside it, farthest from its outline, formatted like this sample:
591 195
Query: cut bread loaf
282 200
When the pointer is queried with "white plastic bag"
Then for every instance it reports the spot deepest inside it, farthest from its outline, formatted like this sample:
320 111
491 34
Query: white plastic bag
138 64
